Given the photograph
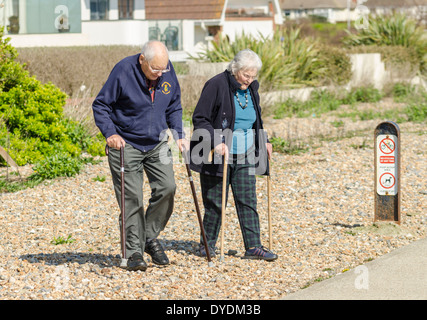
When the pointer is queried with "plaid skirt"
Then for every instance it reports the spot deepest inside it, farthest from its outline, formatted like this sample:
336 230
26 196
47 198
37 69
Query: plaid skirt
243 185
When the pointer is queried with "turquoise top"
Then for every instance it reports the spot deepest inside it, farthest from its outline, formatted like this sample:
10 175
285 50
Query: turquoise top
243 135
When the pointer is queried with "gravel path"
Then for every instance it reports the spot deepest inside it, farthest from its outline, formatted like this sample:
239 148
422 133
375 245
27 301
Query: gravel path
322 207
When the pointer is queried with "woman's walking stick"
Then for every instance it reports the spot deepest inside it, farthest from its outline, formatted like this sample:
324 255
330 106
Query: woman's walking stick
199 217
224 199
270 236
122 207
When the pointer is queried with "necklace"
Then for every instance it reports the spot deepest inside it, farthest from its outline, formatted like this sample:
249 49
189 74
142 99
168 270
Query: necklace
246 98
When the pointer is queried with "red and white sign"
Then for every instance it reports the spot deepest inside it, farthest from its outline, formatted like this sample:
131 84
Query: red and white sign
387 180
386 164
387 145
387 159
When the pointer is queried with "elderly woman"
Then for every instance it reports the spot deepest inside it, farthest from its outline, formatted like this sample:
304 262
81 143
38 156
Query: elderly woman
227 120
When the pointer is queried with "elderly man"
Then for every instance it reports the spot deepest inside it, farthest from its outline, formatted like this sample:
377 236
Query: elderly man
140 100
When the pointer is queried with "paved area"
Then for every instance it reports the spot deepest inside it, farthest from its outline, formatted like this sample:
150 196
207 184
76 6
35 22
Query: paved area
398 275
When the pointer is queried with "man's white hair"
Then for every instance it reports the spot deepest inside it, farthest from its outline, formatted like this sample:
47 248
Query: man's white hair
151 48
244 60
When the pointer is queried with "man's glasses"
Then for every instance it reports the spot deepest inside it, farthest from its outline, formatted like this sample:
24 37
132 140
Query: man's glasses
159 70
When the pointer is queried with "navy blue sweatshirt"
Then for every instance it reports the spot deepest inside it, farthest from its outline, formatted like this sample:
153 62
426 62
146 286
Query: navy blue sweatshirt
124 106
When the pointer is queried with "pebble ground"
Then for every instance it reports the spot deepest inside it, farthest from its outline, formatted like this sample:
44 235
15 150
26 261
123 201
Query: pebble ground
322 222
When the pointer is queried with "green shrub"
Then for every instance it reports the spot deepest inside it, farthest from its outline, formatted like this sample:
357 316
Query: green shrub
33 114
287 108
11 72
392 30
304 53
289 147
417 112
320 101
400 61
32 122
97 145
337 64
362 94
35 110
401 91
58 165
14 186
327 33
61 240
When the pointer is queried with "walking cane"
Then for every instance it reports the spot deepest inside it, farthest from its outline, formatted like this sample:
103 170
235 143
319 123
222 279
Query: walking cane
270 236
122 230
224 197
196 203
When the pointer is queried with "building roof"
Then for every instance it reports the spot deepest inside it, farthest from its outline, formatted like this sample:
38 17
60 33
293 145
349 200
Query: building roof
395 3
184 9
315 4
342 4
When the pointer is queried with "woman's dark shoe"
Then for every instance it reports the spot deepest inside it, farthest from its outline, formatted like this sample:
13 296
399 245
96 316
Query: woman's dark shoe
260 253
136 262
155 250
203 251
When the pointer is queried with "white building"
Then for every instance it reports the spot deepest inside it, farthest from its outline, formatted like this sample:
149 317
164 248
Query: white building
417 9
350 10
331 10
183 25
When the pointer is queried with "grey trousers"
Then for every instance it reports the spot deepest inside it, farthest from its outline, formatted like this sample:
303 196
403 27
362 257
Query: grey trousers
157 165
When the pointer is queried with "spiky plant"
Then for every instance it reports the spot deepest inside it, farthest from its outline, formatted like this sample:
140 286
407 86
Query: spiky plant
392 30
288 60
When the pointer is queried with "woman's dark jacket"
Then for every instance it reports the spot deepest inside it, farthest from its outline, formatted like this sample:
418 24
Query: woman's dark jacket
214 116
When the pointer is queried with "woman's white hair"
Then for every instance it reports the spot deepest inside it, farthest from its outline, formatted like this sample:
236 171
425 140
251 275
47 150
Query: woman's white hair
244 60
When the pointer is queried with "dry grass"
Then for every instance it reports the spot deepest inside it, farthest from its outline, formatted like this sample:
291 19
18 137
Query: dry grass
79 109
78 71
71 67
191 87
82 71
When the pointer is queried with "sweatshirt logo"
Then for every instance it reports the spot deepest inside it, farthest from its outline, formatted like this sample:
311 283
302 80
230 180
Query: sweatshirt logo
166 87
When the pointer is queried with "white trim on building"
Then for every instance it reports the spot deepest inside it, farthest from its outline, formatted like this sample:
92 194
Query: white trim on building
90 29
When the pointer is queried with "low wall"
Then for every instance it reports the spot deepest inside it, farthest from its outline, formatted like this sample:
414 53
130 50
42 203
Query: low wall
206 69
367 69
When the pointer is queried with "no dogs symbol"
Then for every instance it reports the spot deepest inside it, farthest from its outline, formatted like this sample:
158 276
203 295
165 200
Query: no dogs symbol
387 180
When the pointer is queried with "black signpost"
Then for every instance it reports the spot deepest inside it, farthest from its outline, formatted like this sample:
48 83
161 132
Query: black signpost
387 172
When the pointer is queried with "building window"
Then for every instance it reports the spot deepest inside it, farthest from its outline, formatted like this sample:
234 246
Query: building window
99 9
126 9
9 16
40 16
167 31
